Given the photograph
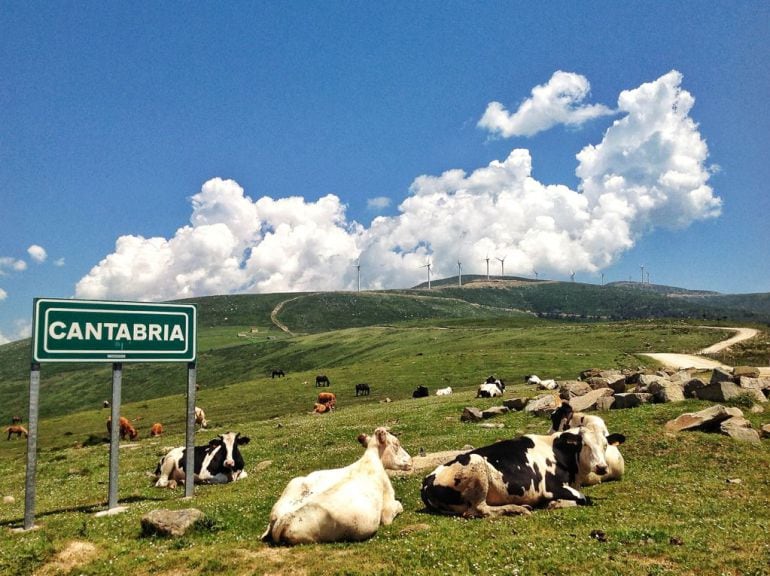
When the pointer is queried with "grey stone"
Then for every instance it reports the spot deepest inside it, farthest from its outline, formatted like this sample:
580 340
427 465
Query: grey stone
748 371
722 391
494 411
680 376
667 391
765 431
631 399
471 414
708 418
543 405
754 383
720 375
739 428
605 402
588 401
568 389
171 522
647 379
692 386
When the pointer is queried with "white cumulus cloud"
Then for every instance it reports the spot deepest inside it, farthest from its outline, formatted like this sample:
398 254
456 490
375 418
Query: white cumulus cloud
649 170
560 101
37 253
3 294
8 263
378 203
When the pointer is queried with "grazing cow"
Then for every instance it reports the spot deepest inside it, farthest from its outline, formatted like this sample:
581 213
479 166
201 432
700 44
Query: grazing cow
346 503
279 373
219 462
513 476
322 380
328 399
420 392
106 404
444 391
17 429
494 380
126 429
362 389
200 418
564 418
156 429
488 391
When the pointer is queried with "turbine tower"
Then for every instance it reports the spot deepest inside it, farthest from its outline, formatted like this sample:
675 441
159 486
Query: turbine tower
459 273
428 267
358 271
642 267
536 275
502 266
572 275
602 278
487 259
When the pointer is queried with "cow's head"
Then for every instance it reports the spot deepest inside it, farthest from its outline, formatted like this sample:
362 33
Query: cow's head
133 433
229 443
591 447
389 448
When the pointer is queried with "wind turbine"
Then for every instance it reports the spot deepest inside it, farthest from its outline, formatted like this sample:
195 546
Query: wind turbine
572 275
487 259
642 267
459 273
602 278
428 267
536 275
502 265
358 269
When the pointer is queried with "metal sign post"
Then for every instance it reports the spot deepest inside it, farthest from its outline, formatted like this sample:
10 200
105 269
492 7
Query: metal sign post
189 483
116 332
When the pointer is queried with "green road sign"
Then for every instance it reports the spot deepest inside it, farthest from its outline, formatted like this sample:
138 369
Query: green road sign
97 331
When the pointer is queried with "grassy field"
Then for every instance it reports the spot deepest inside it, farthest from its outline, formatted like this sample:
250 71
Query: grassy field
673 513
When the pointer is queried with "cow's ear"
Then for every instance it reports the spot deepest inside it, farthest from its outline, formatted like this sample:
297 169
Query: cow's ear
615 439
363 439
215 441
570 438
243 440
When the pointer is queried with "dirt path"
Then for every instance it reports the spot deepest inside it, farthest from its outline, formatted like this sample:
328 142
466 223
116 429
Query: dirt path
681 361
277 310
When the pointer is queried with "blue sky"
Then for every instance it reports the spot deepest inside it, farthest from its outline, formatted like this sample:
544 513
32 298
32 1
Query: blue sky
152 151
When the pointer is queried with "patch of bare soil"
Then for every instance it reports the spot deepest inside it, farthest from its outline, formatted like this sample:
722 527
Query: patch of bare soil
75 554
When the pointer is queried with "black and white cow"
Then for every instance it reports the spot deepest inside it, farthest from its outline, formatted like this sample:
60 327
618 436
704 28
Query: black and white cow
219 462
564 418
514 476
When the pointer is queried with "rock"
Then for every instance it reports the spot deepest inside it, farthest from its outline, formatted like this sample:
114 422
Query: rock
739 428
568 389
516 403
692 386
667 391
722 391
631 399
588 401
263 465
471 414
748 371
720 375
681 376
765 431
647 379
495 411
8 499
596 382
754 383
543 405
413 528
590 373
491 425
605 402
707 419
170 522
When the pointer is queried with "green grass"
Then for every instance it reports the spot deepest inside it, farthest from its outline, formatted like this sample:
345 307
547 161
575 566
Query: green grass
674 512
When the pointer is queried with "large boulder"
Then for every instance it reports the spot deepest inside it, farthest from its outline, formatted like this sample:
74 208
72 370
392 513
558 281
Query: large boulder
707 419
748 371
516 403
754 383
605 403
739 428
543 405
631 399
471 414
765 431
723 391
589 400
720 375
692 386
568 389
645 380
667 391
495 411
170 522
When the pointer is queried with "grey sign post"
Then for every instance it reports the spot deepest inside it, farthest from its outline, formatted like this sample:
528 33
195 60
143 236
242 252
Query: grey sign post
115 332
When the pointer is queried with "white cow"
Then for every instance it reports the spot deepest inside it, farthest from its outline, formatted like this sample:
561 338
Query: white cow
565 418
346 503
488 390
444 391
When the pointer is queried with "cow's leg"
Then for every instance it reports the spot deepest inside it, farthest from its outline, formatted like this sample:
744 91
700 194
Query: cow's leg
562 495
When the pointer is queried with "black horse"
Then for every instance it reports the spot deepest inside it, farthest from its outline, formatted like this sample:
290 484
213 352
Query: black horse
322 380
362 389
420 392
278 373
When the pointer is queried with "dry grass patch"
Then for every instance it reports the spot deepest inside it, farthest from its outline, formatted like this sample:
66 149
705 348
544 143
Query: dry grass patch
74 555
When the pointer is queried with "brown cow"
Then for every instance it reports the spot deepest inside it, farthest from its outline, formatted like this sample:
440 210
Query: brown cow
156 429
125 428
321 408
327 398
17 429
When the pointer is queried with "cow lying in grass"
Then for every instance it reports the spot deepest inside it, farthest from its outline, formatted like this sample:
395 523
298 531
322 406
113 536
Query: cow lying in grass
564 418
346 503
514 476
219 462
